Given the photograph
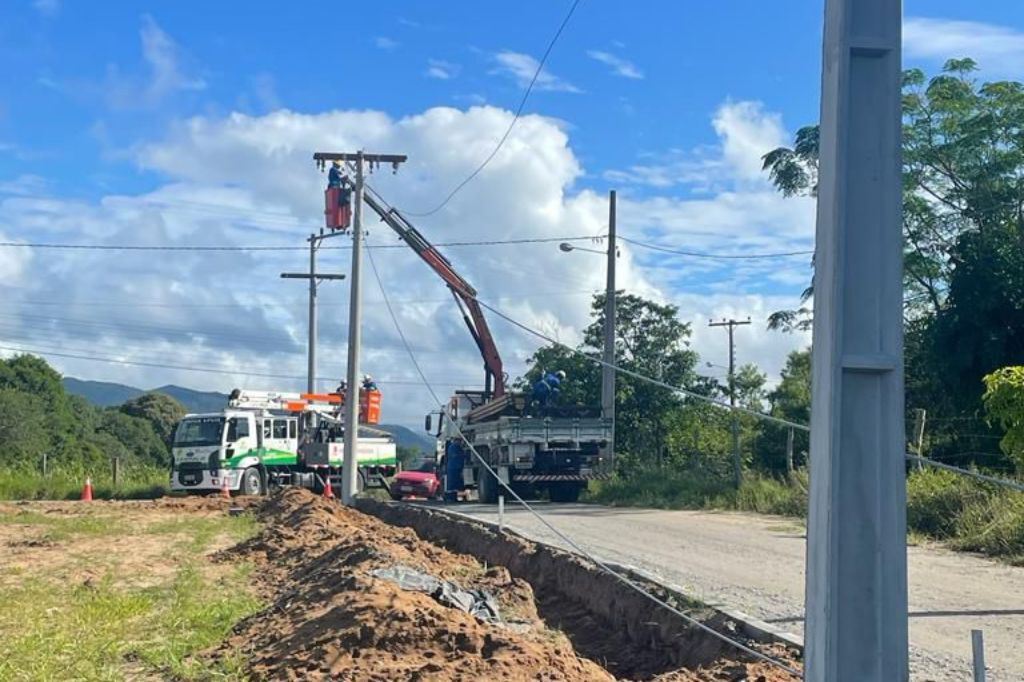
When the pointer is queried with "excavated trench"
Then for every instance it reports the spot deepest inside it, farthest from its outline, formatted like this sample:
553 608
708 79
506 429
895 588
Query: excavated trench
606 620
405 593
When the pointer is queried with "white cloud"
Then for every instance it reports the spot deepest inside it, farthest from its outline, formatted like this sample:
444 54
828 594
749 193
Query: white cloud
47 8
745 132
997 49
440 69
249 180
24 185
385 43
522 67
170 72
620 66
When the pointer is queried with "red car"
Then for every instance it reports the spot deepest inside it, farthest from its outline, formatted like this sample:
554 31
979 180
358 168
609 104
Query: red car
419 480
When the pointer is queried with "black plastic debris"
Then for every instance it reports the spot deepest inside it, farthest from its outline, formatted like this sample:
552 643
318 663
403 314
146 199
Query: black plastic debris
478 603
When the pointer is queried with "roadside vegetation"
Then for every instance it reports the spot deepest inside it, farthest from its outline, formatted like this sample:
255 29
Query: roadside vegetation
116 594
51 441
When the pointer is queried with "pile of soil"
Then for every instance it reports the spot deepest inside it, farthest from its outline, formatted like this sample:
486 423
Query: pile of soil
330 619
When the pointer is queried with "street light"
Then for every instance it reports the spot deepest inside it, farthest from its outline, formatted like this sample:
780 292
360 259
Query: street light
608 369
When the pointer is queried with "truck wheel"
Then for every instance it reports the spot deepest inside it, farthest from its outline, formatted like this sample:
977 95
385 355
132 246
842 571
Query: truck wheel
488 487
565 492
252 483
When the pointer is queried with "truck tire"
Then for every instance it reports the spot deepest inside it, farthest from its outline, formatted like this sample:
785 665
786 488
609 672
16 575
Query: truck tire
252 482
488 487
565 491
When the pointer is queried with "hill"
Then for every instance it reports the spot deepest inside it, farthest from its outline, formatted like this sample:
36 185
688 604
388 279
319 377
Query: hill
106 394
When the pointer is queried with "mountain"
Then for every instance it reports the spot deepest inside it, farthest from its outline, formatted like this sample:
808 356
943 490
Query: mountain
101 393
106 394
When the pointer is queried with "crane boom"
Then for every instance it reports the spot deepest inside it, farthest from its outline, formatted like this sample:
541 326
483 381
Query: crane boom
463 291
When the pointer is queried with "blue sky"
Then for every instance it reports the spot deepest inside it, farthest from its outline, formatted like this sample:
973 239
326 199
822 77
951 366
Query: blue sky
183 122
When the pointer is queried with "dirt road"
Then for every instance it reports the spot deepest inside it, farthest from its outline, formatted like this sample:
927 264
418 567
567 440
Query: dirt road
756 564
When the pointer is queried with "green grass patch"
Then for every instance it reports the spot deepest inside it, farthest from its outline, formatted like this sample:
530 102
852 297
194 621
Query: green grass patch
103 630
200 531
59 527
143 482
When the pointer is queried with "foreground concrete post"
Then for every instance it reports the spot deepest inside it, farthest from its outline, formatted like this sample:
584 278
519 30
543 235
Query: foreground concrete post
856 541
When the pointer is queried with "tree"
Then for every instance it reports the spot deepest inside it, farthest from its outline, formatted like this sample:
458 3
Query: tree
963 227
1004 402
23 429
649 340
161 411
791 400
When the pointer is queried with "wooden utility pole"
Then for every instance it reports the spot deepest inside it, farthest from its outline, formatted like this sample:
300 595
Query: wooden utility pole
362 162
737 457
789 453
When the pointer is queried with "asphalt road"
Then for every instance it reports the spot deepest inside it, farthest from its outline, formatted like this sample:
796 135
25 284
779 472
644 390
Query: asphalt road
755 564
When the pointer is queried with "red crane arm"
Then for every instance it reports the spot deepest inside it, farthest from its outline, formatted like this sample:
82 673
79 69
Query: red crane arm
463 291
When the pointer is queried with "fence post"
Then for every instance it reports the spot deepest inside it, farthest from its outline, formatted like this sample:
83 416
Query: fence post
978 649
501 513
789 454
920 415
45 468
116 466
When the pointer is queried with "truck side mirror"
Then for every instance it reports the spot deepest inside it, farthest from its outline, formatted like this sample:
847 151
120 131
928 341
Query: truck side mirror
427 421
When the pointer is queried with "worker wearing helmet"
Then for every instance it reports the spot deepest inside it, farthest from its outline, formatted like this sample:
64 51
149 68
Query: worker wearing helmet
368 383
334 175
336 180
547 390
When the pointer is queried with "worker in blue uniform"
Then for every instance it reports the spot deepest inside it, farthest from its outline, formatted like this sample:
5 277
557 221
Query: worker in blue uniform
548 389
336 180
335 176
455 460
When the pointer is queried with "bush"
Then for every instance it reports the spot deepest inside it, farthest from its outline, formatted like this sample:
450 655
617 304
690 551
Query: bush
137 482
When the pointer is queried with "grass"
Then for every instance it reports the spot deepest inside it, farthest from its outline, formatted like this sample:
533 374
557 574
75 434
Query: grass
137 483
964 514
106 628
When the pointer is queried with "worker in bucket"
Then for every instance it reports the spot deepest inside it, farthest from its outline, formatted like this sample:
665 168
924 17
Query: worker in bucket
336 179
455 460
368 383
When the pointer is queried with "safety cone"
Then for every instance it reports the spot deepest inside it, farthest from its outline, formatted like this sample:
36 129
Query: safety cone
87 490
328 491
225 491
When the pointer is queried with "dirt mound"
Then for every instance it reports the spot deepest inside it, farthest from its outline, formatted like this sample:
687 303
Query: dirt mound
330 619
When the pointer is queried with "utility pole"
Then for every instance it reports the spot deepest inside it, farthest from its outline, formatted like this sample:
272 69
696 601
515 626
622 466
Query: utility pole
314 281
350 474
608 371
856 619
737 458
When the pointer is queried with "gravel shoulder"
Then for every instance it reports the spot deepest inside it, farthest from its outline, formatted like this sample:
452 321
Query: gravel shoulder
755 564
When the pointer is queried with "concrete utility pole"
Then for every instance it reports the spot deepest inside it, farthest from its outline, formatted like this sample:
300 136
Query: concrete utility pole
314 282
737 458
856 535
350 473
608 371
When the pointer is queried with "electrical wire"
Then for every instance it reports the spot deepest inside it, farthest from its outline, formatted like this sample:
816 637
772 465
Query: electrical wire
698 254
200 248
193 368
569 541
515 119
967 472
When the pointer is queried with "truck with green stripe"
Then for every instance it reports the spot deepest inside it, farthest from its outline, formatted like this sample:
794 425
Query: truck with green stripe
268 439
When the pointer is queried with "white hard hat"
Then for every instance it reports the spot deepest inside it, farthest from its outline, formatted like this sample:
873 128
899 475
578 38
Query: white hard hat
560 374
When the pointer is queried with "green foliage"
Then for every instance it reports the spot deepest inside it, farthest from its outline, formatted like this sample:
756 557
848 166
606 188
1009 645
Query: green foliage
1004 402
649 340
161 411
37 418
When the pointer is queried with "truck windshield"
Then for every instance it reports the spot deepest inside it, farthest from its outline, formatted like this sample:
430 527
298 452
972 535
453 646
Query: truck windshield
200 431
427 465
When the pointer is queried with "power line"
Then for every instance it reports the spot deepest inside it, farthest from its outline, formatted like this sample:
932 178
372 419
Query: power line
565 538
722 256
515 119
193 368
229 248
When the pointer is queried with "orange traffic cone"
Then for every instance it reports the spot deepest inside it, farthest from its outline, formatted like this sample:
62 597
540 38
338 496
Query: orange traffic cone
87 490
225 491
328 491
